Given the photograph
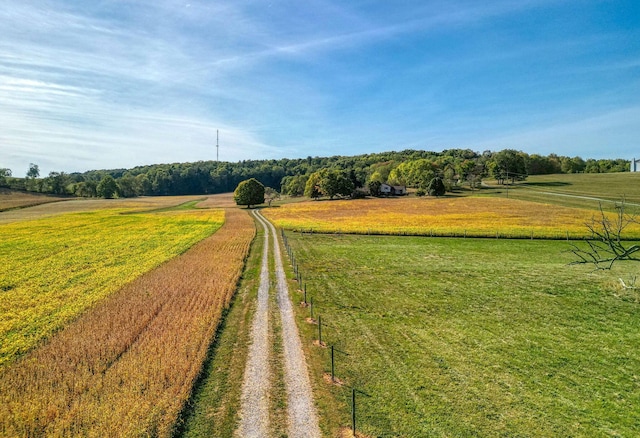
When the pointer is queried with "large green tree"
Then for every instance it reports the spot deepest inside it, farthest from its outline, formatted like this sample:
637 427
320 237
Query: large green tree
107 187
436 187
249 192
507 165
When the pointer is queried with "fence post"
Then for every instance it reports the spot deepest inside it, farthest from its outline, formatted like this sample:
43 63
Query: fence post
353 410
333 368
320 330
311 307
305 294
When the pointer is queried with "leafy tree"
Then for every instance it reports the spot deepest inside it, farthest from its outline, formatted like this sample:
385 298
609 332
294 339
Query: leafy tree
4 174
57 183
436 187
312 187
107 187
335 183
34 171
270 195
128 187
375 188
249 192
86 189
32 174
508 164
294 185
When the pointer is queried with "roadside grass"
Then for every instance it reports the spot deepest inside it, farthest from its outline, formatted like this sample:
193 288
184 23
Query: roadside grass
215 402
52 269
471 337
447 216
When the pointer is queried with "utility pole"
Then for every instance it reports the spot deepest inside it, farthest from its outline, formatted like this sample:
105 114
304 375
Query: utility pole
217 147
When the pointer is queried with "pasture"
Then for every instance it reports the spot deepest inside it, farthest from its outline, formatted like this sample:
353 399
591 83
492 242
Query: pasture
584 190
447 216
471 337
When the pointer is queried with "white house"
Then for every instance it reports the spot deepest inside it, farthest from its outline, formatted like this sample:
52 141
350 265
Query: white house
387 189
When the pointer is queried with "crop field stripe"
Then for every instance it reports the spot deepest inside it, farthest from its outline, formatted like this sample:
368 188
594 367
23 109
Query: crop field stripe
127 367
54 268
446 217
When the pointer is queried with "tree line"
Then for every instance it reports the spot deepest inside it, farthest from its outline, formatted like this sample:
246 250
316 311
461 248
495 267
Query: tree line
334 176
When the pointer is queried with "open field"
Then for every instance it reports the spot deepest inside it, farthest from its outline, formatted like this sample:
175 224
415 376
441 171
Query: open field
12 199
471 337
90 205
52 269
582 190
127 366
452 216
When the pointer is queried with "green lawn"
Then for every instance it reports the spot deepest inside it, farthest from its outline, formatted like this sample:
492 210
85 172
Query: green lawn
471 337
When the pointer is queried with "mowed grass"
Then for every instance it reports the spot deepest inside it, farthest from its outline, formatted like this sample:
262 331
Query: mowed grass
448 216
471 337
52 269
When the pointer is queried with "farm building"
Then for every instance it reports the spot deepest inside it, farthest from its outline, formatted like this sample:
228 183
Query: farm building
387 189
635 165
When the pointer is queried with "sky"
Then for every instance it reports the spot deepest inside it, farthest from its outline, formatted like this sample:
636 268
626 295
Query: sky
107 84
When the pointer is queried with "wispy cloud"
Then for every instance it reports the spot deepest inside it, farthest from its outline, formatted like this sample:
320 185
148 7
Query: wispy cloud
120 82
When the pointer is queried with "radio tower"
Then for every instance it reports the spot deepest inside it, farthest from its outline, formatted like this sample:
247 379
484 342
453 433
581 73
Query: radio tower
217 148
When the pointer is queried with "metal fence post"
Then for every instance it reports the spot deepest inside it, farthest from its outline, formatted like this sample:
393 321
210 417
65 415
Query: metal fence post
353 410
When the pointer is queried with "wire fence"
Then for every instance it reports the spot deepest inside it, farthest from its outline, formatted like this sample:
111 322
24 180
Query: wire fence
336 371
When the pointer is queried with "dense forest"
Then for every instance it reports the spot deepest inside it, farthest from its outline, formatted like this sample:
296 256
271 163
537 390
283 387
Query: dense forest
331 176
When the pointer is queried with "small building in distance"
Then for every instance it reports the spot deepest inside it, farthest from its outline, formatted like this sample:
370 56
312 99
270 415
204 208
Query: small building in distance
635 165
386 189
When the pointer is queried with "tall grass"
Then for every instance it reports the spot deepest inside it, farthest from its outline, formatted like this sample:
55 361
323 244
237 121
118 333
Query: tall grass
126 367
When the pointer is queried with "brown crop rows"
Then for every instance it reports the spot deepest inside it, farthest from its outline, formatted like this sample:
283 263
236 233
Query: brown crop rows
126 367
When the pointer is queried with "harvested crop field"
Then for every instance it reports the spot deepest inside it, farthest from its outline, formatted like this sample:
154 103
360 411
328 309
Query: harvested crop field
447 216
127 366
12 199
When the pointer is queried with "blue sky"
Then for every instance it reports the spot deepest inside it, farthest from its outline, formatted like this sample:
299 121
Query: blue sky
119 83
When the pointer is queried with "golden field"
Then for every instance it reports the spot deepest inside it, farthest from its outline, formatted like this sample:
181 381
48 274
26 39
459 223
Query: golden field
53 268
459 216
126 367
